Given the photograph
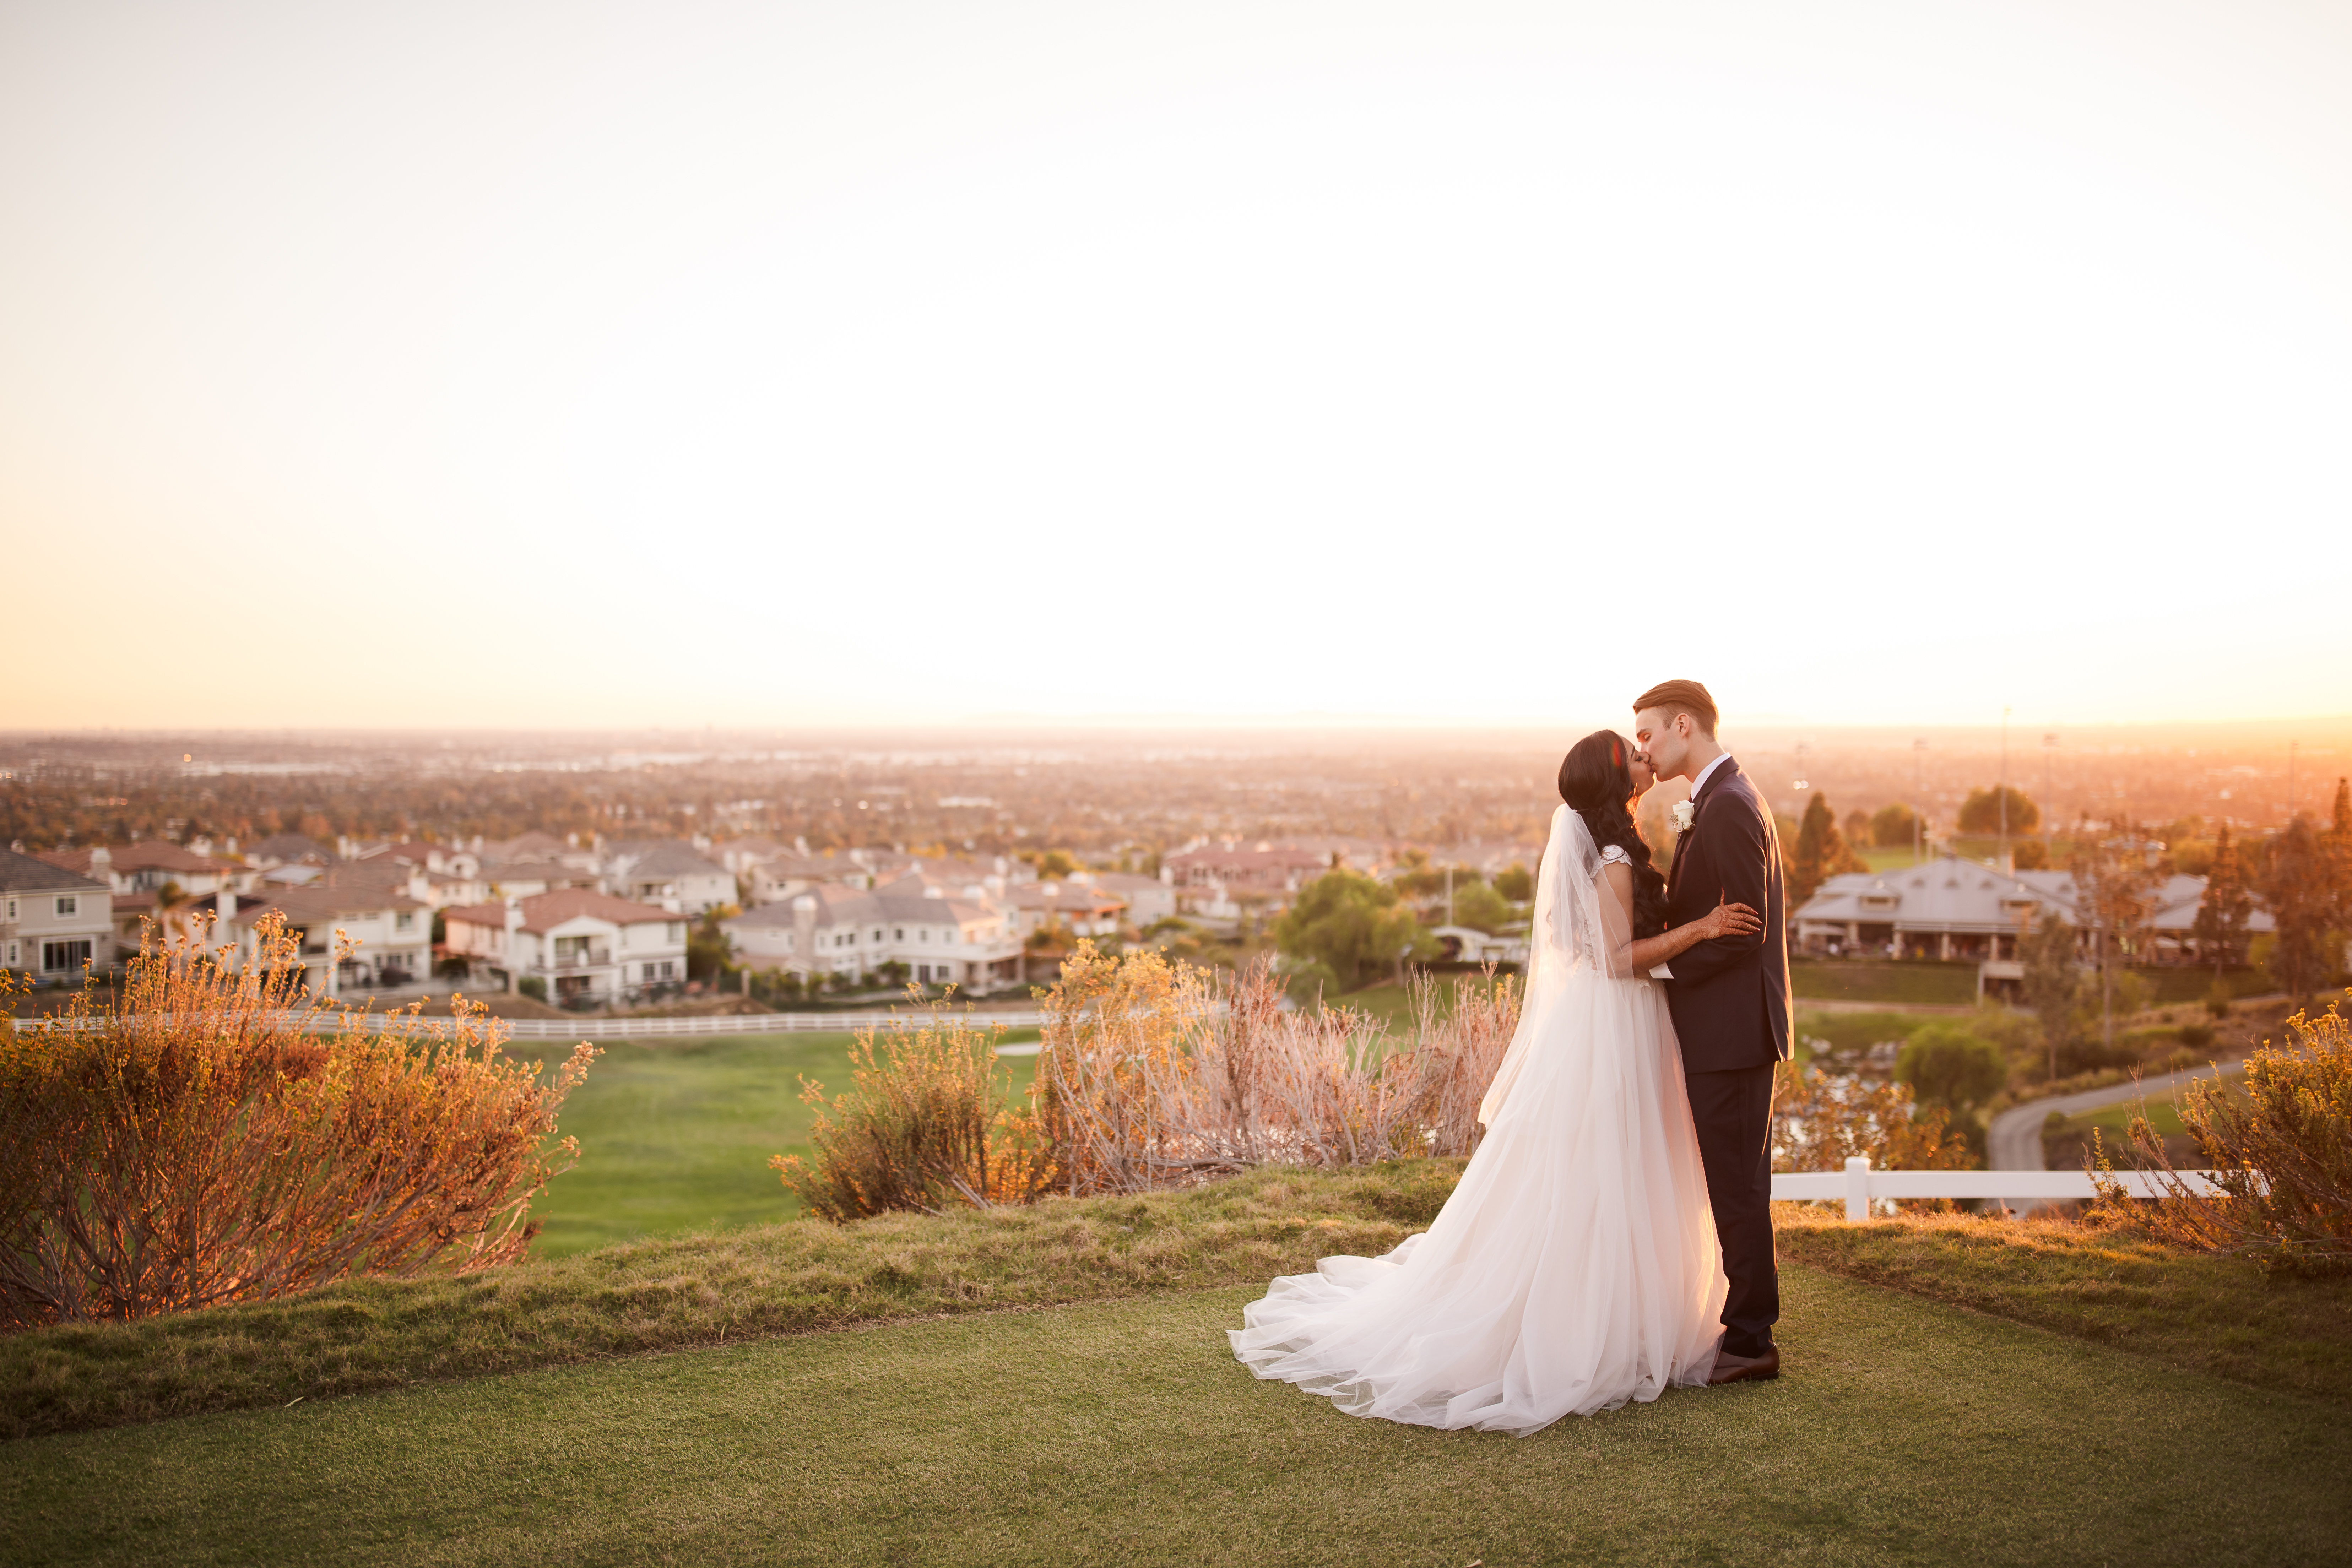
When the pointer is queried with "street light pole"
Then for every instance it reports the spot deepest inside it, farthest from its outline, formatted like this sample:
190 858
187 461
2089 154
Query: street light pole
2004 782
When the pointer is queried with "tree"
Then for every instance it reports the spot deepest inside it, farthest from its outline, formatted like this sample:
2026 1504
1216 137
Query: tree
1822 853
2115 892
1857 826
1480 908
1952 1069
2299 886
2031 855
1981 813
2220 928
1053 864
709 952
1893 826
1516 883
2053 981
1351 923
2338 844
1949 1065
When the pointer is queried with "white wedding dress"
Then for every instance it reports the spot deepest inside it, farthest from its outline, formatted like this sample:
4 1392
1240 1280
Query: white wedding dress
1575 1267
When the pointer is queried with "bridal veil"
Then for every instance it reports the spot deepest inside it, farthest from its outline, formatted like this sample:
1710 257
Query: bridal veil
1575 1267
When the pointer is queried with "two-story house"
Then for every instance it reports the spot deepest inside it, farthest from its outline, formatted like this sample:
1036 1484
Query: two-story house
53 922
390 934
829 929
666 872
587 948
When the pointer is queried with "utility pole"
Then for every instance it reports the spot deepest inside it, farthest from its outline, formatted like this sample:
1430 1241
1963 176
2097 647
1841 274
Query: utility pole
2292 746
2004 784
1449 894
2049 801
1918 814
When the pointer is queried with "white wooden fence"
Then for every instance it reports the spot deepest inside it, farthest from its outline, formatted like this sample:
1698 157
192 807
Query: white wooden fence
1858 1184
664 1028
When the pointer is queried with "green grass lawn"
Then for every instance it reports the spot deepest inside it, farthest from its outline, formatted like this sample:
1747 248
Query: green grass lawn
1909 981
1393 1003
675 1134
1906 1432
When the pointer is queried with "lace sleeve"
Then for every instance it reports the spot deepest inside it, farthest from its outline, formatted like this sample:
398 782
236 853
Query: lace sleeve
1614 855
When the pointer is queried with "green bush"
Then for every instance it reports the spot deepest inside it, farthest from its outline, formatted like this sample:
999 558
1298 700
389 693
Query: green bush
532 986
1949 1065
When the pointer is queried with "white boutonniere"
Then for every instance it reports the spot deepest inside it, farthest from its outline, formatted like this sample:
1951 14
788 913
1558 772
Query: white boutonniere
1685 814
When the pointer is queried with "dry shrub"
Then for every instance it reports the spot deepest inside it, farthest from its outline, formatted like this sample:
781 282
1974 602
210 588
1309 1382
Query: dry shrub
924 1126
2280 1151
1154 1073
213 1135
1821 1120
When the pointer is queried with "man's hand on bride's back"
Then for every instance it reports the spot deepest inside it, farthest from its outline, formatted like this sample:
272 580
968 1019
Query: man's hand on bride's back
1729 919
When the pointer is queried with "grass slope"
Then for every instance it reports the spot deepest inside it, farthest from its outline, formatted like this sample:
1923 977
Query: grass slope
2197 1314
676 1134
1907 1432
373 1334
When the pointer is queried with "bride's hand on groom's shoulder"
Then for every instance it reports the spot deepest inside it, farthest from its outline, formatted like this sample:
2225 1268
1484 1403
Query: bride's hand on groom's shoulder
1729 920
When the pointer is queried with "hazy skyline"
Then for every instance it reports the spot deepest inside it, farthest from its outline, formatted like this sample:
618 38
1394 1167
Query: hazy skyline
884 363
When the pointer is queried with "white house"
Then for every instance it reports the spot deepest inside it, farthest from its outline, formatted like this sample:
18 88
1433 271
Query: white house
586 947
829 929
1148 899
53 922
1955 908
665 872
1077 906
1467 944
390 933
147 865
450 874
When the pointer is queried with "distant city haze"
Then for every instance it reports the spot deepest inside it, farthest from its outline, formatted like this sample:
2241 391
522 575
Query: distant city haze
1036 365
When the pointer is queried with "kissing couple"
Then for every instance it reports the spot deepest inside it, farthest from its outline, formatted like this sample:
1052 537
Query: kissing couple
1613 1232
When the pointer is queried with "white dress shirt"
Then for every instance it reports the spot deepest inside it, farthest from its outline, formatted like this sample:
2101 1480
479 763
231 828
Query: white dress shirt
1662 972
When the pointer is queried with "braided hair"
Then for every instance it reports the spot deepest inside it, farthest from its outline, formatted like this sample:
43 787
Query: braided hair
1598 786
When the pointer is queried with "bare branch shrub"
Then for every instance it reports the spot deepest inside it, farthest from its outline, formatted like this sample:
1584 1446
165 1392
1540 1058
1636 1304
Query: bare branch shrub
1154 1073
214 1134
2281 1153
925 1125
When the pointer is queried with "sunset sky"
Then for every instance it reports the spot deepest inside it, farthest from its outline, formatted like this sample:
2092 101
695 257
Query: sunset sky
885 362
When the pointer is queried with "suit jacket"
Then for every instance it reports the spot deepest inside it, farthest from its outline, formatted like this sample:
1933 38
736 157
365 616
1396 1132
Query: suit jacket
1730 996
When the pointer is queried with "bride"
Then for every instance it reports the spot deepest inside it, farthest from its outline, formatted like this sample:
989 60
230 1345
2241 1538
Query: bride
1575 1267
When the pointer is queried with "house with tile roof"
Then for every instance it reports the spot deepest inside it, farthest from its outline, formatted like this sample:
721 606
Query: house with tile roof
146 866
831 928
588 948
351 940
55 923
667 872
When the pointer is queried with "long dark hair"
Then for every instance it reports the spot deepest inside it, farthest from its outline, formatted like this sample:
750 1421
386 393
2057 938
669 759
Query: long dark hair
1598 784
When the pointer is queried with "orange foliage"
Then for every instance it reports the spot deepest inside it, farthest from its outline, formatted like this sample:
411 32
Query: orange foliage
924 1126
214 1133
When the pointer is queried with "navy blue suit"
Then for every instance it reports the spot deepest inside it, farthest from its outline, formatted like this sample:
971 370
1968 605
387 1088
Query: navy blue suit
1729 998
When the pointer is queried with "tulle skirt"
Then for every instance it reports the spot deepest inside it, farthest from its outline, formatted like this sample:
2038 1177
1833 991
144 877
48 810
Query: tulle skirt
1574 1269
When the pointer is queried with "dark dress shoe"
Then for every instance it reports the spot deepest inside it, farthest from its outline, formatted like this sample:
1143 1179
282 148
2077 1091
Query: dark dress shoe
1730 1368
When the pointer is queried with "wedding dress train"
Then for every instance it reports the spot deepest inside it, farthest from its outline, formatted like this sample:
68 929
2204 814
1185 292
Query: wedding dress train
1575 1267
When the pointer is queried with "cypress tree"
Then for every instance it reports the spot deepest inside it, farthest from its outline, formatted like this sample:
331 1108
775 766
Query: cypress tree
2220 928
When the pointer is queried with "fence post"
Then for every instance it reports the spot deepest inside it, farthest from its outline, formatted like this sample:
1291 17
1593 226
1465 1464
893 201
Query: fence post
1857 1188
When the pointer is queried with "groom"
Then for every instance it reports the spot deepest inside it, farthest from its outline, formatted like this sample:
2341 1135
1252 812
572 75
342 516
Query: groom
1729 998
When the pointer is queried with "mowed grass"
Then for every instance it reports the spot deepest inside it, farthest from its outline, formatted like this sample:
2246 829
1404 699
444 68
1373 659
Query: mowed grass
676 1134
1908 981
672 1293
1906 1432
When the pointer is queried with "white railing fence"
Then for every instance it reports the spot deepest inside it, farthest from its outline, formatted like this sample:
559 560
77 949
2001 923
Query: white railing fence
664 1028
1860 1185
